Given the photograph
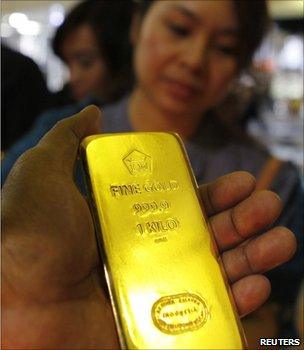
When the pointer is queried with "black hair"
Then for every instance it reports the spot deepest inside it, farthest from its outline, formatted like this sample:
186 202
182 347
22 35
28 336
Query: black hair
110 21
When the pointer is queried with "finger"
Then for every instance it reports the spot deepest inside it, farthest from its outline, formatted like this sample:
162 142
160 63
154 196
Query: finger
63 139
226 191
250 293
260 254
246 219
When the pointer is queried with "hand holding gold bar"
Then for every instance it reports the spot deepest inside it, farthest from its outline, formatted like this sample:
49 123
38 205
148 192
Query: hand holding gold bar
49 253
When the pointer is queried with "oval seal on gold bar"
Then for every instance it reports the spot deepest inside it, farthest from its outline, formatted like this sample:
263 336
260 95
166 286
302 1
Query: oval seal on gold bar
179 313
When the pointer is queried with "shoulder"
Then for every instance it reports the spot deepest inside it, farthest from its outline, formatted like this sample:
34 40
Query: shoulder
280 176
233 156
49 118
115 116
256 159
249 156
42 125
287 182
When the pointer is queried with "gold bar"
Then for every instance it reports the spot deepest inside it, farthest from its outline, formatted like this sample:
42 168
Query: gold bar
165 279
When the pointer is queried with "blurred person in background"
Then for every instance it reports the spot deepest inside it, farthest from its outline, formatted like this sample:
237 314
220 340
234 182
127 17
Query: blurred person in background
187 54
24 95
92 43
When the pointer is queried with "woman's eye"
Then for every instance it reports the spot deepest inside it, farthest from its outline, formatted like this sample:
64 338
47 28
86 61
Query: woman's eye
226 50
179 29
87 62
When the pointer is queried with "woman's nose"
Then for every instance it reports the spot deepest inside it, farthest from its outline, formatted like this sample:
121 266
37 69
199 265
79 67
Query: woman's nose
75 74
195 55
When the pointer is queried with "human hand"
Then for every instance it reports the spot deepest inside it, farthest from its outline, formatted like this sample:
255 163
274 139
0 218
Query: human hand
53 294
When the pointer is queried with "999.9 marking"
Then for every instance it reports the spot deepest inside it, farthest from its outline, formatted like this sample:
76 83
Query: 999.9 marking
145 208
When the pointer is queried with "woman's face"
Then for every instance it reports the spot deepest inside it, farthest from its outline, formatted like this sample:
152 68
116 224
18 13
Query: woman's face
87 68
185 54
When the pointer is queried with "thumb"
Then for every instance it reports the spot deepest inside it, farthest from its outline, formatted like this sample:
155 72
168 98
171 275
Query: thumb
63 140
55 154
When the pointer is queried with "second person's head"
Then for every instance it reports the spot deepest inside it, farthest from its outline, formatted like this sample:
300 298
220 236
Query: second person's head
93 42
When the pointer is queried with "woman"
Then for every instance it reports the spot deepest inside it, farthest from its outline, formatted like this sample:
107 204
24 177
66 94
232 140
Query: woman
91 43
24 95
186 56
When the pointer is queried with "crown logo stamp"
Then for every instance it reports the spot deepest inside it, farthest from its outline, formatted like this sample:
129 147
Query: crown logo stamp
138 163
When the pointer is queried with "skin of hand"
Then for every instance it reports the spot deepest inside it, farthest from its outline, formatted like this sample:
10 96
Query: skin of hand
53 292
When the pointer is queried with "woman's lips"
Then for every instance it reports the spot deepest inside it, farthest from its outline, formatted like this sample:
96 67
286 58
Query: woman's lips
181 90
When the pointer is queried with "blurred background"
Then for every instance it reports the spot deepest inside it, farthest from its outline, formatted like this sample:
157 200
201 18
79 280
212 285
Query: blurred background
272 90
28 26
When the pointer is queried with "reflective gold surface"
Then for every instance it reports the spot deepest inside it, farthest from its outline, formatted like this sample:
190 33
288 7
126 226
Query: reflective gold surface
166 284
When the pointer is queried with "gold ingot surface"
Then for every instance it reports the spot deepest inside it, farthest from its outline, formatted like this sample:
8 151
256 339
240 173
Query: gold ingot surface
165 278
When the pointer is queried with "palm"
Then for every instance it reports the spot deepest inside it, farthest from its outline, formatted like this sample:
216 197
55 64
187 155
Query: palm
60 288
